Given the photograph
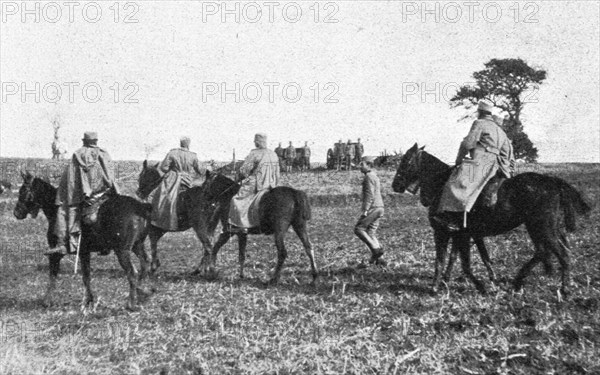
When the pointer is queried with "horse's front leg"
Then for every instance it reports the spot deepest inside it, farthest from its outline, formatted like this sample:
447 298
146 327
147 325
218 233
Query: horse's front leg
124 256
206 268
451 261
145 257
155 234
441 239
242 241
485 257
84 257
462 243
54 269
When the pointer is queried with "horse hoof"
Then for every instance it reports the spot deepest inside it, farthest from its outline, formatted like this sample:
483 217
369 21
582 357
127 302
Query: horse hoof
144 292
196 272
132 307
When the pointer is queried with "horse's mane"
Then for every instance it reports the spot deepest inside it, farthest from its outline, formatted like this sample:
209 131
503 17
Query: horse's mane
434 163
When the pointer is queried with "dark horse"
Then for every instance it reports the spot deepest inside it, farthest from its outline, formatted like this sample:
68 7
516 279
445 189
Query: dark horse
191 210
121 225
279 208
538 201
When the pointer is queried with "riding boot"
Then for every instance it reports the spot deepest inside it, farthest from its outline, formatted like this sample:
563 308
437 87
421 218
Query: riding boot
376 255
59 250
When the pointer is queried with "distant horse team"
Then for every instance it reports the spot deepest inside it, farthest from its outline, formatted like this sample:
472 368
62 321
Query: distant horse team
121 223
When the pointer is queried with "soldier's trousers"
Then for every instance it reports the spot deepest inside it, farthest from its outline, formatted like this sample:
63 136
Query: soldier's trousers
366 227
67 225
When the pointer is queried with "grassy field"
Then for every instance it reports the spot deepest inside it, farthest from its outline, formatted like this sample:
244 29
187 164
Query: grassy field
357 321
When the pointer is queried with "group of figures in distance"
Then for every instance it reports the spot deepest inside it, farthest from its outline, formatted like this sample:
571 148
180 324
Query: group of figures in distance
344 156
293 158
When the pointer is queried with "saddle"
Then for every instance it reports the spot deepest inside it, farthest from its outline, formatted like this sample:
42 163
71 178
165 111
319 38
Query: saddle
91 206
489 195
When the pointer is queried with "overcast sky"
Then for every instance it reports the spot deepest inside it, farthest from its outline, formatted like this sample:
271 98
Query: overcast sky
361 66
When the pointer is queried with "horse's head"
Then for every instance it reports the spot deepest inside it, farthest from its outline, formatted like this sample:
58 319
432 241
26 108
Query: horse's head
148 180
29 202
407 175
217 187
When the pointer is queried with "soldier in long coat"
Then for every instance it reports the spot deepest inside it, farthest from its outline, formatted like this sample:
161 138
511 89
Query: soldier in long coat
280 155
306 156
359 150
490 151
88 175
339 152
260 172
176 169
290 156
349 154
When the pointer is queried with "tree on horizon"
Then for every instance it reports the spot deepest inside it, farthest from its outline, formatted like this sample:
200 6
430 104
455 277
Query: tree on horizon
509 84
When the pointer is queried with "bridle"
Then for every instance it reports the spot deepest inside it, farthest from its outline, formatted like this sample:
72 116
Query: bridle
153 184
28 203
414 164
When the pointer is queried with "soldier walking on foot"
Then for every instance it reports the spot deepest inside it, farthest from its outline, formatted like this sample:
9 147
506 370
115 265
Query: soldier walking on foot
372 211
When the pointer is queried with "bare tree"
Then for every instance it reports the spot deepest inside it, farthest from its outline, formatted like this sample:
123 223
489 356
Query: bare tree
59 149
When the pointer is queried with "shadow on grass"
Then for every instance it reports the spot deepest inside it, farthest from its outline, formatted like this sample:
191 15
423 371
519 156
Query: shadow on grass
352 279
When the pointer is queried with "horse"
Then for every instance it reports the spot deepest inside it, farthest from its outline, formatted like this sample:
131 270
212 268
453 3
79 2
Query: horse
191 209
280 208
121 224
536 200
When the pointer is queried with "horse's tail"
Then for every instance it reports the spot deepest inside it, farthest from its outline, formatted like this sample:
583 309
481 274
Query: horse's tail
572 202
303 205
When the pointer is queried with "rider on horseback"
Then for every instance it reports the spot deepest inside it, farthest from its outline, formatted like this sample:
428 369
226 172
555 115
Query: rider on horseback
87 177
259 173
490 153
176 171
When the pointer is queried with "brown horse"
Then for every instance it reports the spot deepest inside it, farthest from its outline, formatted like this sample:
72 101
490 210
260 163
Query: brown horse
121 225
280 208
536 200
193 212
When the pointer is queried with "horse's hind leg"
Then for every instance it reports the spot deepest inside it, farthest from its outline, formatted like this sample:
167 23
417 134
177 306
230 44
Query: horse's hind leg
242 242
441 246
485 257
54 269
560 247
85 256
208 264
124 257
281 254
300 229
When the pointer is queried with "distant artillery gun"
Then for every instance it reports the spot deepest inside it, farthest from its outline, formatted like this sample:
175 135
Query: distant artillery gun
386 160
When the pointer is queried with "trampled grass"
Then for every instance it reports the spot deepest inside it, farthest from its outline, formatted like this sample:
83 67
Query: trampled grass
356 321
